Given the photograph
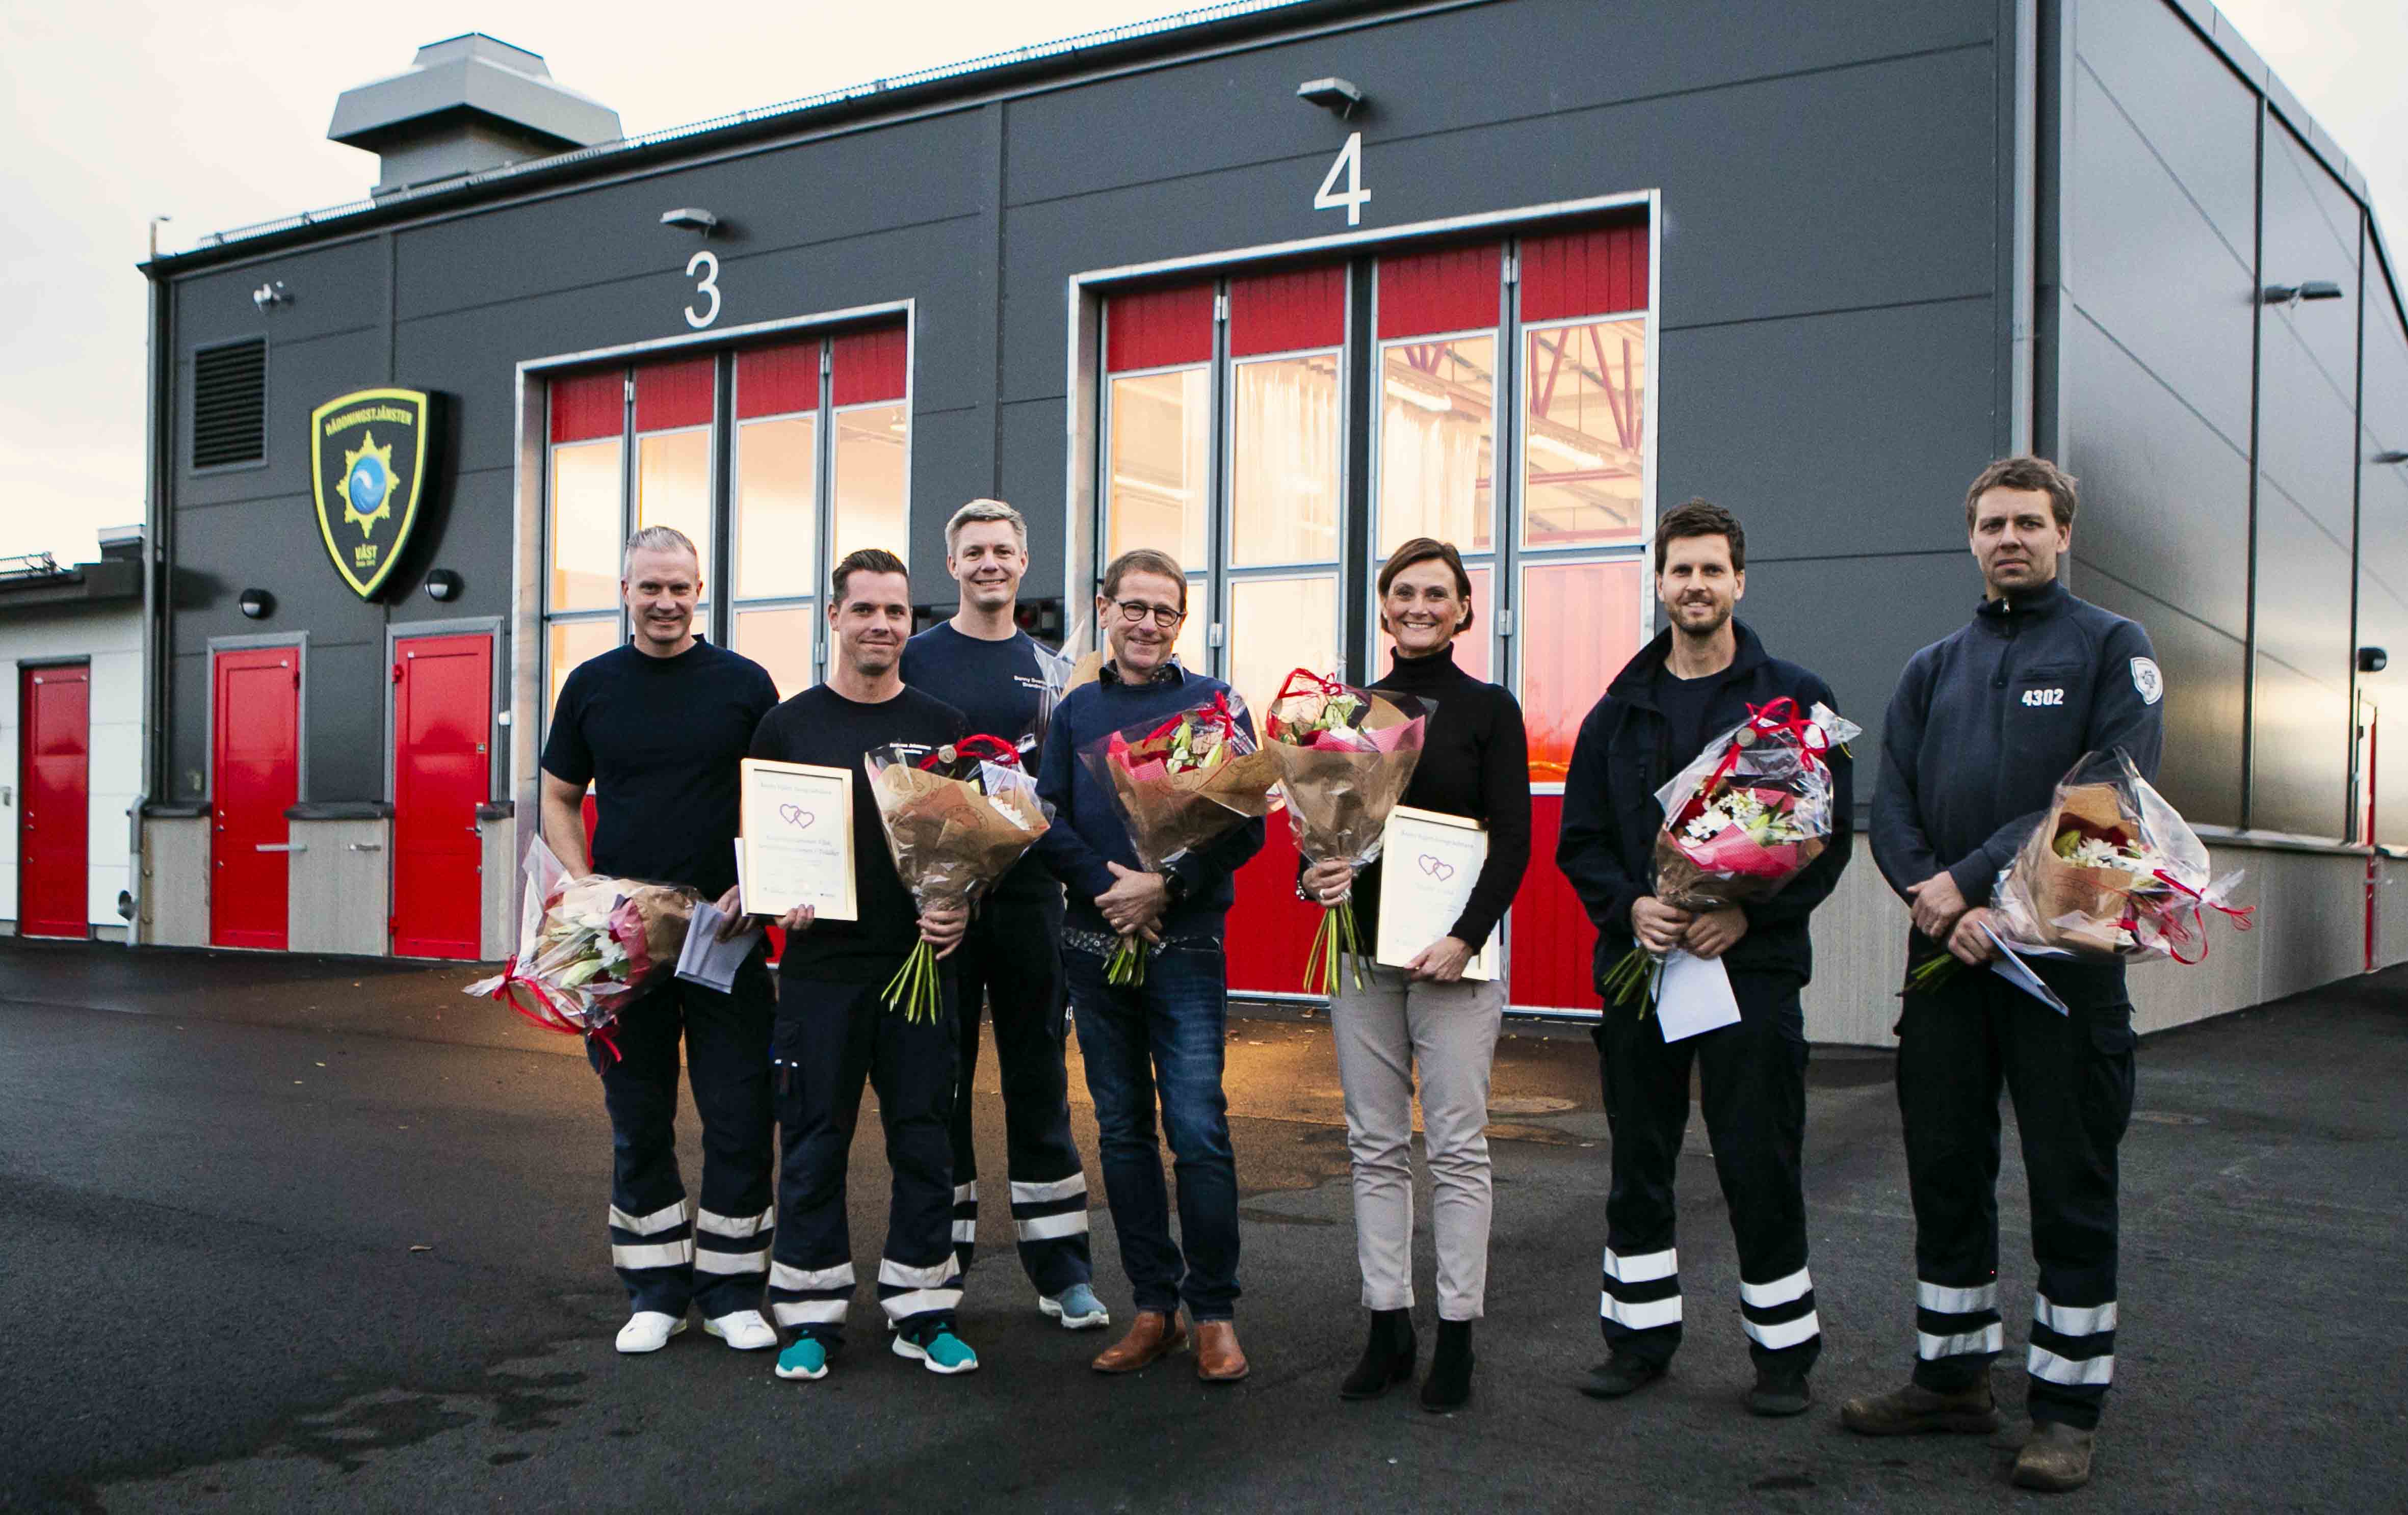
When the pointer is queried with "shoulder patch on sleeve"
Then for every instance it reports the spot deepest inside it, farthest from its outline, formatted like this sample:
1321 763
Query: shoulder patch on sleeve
2148 680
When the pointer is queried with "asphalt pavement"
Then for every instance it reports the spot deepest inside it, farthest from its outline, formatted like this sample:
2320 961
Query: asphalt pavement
282 1233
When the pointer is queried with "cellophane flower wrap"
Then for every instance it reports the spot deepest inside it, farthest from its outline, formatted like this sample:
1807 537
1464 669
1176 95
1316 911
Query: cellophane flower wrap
1746 815
1180 781
587 944
1345 756
955 820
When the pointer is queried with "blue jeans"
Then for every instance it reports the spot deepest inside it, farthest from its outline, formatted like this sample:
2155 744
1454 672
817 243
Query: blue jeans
1164 1040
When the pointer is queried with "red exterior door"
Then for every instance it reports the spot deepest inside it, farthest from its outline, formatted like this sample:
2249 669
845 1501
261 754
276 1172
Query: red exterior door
442 721
255 777
54 824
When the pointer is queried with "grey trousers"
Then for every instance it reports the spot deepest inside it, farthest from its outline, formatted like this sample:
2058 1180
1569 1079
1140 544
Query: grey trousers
1383 1031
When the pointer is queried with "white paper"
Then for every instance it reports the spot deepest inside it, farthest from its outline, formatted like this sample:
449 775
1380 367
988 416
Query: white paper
1693 996
797 839
707 961
2008 964
1429 862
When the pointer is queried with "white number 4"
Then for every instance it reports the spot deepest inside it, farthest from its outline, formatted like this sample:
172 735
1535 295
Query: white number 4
1354 196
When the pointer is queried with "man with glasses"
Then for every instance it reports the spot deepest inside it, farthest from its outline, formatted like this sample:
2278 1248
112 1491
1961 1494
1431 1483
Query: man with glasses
1163 1038
982 663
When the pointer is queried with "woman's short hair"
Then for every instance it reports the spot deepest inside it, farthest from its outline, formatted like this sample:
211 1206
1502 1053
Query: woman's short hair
1428 550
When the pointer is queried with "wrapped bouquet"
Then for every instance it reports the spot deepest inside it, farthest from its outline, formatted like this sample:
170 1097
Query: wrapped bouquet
1179 783
955 821
586 945
1345 755
2112 873
1746 816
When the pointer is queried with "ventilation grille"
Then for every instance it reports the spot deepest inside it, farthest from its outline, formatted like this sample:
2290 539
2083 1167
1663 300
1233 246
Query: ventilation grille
230 405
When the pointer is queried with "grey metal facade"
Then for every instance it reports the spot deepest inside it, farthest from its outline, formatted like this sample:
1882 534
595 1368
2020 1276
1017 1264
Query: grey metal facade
1854 250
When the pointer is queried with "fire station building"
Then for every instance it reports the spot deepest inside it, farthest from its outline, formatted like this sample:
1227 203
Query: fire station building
1274 287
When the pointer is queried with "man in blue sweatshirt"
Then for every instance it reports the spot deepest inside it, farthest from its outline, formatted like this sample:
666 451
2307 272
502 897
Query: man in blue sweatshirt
1163 1037
1983 726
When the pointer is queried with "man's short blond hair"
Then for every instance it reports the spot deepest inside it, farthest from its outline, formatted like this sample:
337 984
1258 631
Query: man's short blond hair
658 539
978 510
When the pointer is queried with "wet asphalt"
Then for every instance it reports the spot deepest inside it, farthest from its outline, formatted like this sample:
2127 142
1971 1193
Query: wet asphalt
282 1233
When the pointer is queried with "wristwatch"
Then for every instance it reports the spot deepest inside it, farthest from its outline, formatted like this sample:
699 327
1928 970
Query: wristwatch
1175 888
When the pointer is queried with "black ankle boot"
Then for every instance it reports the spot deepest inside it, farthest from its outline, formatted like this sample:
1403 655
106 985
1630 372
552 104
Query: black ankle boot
1449 1384
1387 1358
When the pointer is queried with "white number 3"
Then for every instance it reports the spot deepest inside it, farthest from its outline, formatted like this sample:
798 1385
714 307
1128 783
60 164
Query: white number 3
1354 196
704 268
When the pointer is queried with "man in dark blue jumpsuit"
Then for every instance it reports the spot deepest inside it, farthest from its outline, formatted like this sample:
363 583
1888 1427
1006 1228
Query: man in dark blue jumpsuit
1983 726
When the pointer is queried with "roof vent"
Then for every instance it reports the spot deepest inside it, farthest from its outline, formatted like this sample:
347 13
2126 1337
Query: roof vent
466 105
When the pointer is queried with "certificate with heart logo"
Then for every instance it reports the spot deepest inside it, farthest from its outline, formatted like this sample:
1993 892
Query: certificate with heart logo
1429 862
796 846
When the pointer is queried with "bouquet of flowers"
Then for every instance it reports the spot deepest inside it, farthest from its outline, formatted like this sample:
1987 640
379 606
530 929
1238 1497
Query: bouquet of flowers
2112 873
1345 755
586 945
1746 816
955 822
1179 783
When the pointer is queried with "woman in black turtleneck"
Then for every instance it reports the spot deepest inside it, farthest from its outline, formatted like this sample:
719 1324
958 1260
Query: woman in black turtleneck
1475 763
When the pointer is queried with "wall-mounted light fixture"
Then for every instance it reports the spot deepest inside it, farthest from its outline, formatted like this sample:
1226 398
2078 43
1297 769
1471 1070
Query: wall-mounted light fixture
257 603
2391 457
270 294
2371 659
442 586
2315 289
692 219
1331 93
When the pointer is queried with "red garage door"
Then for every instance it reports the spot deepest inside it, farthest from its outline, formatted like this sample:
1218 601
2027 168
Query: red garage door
442 718
255 777
54 826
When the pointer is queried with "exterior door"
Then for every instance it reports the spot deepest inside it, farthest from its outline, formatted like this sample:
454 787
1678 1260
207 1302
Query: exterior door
255 777
442 770
54 824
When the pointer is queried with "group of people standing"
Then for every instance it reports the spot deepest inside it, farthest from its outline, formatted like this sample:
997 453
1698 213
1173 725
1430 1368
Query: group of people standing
1982 725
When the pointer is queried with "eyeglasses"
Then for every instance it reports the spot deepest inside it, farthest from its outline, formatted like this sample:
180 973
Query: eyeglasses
1136 611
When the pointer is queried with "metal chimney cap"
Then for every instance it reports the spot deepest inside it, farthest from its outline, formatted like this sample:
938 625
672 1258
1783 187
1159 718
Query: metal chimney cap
471 75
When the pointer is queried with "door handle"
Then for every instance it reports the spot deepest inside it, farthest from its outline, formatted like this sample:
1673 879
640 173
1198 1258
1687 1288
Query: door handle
280 847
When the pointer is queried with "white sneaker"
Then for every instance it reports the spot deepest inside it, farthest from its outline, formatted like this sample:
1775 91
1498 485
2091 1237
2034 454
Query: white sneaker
649 1331
743 1329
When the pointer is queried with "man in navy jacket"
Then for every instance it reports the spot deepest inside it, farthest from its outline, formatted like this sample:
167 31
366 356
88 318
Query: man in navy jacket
1167 1035
1700 678
1983 726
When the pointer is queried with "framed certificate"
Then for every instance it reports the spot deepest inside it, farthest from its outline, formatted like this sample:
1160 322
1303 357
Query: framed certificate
1429 863
796 842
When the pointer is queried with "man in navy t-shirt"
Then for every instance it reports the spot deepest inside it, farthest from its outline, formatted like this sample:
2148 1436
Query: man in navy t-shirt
984 666
657 726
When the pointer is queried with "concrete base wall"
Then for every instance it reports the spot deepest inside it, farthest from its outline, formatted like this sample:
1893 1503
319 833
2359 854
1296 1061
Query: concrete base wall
176 881
2310 930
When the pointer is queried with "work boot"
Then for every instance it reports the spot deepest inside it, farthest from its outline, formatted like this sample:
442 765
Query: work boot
1156 1336
1779 1394
1387 1357
2055 1459
1219 1359
1619 1375
1968 1412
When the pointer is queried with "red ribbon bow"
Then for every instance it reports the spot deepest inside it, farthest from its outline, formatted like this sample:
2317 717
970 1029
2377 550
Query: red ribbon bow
1779 717
2170 925
1217 715
1004 752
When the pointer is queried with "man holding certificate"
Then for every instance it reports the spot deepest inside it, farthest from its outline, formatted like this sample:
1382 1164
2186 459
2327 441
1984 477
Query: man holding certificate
1432 1001
834 1029
657 727
984 665
1699 679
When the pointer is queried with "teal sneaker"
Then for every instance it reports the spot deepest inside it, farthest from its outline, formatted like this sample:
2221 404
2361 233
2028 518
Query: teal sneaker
1077 1307
806 1359
941 1352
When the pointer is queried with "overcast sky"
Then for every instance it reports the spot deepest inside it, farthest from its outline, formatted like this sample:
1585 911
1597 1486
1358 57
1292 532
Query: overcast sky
216 115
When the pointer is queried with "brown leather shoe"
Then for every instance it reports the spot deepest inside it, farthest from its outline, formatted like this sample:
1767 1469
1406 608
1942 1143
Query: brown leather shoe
1219 1359
1156 1336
